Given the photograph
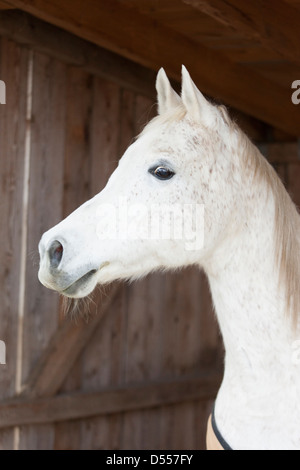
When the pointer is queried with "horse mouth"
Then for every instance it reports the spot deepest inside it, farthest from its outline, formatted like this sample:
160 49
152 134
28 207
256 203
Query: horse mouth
80 285
84 285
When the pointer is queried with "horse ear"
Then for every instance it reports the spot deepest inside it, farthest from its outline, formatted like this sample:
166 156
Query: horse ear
167 98
195 103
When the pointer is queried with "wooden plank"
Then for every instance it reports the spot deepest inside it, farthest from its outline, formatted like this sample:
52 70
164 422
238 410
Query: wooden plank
183 429
184 425
81 405
211 349
62 106
13 70
12 134
204 29
102 63
282 153
145 110
275 27
63 350
48 39
77 163
101 433
102 360
293 179
281 72
67 436
130 421
126 120
142 361
45 200
105 430
191 342
45 210
143 344
202 410
123 30
77 140
181 347
170 334
181 323
115 115
5 6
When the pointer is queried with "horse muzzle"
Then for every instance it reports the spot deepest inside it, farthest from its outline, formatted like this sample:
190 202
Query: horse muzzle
58 270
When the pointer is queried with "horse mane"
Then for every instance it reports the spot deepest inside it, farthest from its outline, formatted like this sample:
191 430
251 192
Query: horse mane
286 223
287 219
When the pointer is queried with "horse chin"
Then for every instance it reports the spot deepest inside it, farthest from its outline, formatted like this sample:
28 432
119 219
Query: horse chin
82 287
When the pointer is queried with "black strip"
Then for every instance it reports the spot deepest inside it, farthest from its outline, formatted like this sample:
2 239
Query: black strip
217 432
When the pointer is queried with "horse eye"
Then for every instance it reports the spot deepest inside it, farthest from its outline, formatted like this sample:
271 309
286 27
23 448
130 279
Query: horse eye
162 172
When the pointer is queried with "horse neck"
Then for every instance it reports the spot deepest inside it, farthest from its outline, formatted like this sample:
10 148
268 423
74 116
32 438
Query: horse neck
260 377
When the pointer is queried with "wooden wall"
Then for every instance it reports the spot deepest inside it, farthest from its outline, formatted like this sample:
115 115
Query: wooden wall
150 361
141 371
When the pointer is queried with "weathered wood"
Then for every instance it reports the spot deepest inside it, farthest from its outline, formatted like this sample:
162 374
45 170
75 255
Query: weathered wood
143 343
12 131
103 367
104 132
48 39
13 70
125 31
63 350
45 198
275 25
77 139
101 362
5 6
81 405
202 410
113 126
282 152
158 329
295 3
294 178
77 167
133 314
46 146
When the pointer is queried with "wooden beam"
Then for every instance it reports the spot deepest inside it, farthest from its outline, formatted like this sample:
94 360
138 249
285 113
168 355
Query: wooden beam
274 24
64 407
55 42
63 350
140 38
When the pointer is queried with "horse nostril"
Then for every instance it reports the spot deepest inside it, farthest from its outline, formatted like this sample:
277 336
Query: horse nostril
55 253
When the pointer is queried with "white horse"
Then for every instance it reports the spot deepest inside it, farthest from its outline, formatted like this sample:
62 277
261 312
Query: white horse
235 220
